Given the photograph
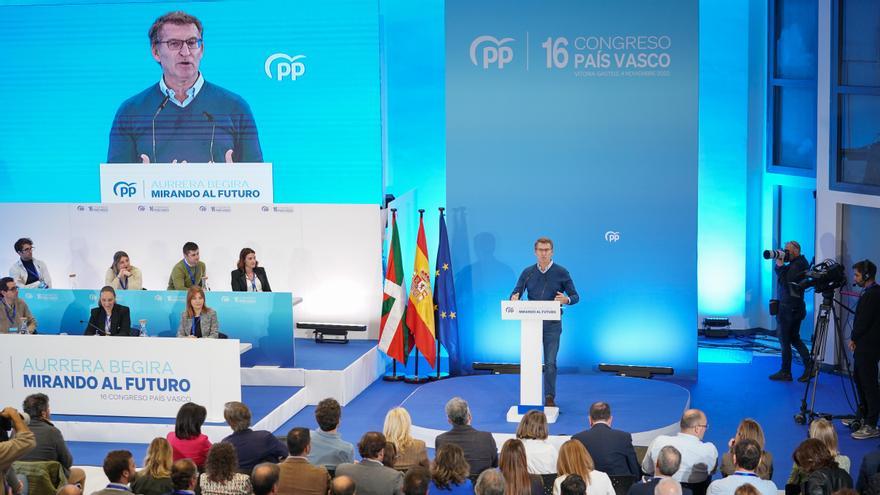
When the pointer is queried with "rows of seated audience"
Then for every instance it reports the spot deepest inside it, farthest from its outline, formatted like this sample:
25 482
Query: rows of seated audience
598 461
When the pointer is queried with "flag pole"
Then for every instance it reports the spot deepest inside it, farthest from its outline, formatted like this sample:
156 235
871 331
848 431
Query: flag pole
438 376
416 378
393 377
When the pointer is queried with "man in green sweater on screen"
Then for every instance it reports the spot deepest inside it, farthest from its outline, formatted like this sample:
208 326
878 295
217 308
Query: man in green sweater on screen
189 271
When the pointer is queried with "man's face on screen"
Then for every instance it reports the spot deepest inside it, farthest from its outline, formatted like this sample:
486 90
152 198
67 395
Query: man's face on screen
544 253
182 64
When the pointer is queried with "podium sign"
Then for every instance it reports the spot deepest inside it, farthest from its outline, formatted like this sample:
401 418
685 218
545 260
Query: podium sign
531 315
187 183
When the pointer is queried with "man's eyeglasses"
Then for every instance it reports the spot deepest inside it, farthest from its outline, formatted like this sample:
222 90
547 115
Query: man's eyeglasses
192 43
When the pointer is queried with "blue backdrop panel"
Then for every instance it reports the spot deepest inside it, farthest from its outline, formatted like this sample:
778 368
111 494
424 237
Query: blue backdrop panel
263 319
72 65
576 120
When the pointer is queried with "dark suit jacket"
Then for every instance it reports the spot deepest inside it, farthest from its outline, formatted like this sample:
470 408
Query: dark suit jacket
478 446
648 488
612 450
120 321
240 282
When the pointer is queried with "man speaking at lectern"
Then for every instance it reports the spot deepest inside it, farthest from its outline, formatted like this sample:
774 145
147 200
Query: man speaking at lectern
547 281
183 117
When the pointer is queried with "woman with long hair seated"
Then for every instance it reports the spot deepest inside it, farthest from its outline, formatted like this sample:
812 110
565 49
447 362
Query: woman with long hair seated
109 318
820 472
533 432
249 276
410 452
187 440
155 477
449 472
821 429
574 459
198 320
221 476
122 274
514 467
748 429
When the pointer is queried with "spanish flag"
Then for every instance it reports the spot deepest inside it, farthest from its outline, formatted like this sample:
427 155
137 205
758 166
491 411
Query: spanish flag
420 310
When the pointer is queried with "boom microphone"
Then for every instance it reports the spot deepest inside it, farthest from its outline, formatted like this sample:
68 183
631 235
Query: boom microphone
159 109
213 128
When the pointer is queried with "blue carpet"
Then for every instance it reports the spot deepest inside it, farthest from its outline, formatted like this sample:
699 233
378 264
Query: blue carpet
261 401
312 356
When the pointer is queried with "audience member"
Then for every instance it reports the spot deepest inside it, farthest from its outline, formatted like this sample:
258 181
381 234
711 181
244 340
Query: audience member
410 452
249 276
155 477
15 309
109 318
189 271
184 477
297 475
369 475
515 468
575 460
490 482
119 469
822 430
668 461
748 429
698 459
187 440
612 450
819 471
69 489
573 485
251 447
540 453
122 274
29 272
198 320
328 447
20 444
220 476
870 467
50 442
264 479
450 470
746 459
415 481
390 453
668 486
342 485
746 489
479 447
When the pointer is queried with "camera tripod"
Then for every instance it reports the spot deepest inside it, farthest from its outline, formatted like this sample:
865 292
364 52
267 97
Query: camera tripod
827 313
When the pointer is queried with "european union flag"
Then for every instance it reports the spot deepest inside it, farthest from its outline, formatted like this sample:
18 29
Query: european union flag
446 316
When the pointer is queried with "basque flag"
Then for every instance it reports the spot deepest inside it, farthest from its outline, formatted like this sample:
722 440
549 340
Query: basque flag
445 313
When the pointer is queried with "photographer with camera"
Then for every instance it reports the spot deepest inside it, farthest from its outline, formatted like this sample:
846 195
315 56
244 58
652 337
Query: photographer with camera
865 345
790 267
11 449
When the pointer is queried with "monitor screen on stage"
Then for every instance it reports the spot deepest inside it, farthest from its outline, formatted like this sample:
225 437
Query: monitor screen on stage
295 84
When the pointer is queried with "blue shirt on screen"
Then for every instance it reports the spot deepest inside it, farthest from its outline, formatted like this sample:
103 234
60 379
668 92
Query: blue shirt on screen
190 93
215 120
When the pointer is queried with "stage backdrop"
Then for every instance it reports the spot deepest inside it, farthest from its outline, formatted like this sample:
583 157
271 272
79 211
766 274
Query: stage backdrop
576 120
309 69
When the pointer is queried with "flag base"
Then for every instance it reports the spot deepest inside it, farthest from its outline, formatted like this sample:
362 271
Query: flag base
515 413
443 375
393 378
415 379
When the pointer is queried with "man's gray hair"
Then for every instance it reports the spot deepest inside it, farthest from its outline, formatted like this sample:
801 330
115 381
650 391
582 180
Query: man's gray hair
457 411
490 482
668 486
668 460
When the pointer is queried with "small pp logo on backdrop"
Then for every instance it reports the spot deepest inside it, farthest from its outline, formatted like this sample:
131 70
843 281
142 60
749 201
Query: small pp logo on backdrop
612 236
281 66
489 51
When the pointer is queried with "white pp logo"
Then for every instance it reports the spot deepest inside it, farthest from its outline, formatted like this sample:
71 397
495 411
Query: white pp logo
612 236
494 51
287 66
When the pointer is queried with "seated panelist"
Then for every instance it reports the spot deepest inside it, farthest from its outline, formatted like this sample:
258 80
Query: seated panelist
189 271
109 318
198 320
122 274
249 277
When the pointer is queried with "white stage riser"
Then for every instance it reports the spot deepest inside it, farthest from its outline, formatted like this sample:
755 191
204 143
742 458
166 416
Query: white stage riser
343 385
330 255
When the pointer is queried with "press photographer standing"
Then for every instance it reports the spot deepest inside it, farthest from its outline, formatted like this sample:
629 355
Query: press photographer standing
792 311
865 346
12 449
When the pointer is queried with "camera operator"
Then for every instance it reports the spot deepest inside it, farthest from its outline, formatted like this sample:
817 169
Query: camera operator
12 449
865 346
792 310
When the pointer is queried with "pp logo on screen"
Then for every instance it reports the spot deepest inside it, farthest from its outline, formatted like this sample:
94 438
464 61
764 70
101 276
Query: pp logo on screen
286 66
493 51
125 189
612 236
508 309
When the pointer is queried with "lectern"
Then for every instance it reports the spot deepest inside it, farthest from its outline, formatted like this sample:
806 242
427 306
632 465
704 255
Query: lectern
531 315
